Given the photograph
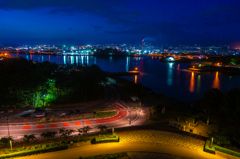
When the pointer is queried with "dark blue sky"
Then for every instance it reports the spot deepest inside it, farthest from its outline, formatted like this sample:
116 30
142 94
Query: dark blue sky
80 22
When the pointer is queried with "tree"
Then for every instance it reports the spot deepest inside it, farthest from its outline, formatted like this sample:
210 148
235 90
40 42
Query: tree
65 132
48 134
220 138
28 138
228 123
6 140
223 108
79 130
210 105
86 129
102 127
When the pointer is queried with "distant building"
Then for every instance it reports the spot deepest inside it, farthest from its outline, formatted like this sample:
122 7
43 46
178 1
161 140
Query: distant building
169 58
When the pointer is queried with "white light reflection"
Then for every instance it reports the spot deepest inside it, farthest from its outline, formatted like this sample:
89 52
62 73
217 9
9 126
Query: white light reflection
169 78
64 60
82 59
127 65
77 60
87 60
72 59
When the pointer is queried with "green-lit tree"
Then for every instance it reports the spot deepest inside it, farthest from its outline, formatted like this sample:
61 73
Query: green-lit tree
24 83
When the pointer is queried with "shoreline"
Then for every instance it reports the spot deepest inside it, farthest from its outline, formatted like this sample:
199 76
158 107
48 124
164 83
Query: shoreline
78 55
227 70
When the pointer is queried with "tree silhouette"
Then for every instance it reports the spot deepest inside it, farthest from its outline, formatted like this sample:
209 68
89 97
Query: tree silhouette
65 132
102 128
48 134
86 129
210 105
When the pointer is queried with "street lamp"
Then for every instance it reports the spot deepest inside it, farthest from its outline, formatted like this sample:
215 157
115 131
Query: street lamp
130 118
211 143
10 141
8 127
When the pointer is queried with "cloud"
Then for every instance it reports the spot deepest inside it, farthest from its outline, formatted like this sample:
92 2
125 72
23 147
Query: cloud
66 10
96 27
153 31
149 39
114 11
133 18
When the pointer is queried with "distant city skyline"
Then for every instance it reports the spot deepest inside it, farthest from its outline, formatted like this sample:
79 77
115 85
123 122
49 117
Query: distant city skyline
74 22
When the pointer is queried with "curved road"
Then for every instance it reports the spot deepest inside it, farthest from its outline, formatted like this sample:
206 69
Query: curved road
121 119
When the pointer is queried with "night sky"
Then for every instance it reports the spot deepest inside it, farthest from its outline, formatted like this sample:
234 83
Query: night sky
80 22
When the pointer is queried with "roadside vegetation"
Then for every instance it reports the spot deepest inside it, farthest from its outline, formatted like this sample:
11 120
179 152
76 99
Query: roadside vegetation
104 109
105 114
30 145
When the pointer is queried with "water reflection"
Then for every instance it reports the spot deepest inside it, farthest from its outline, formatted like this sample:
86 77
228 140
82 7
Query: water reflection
82 59
59 60
191 87
64 60
72 59
178 67
198 83
87 60
157 73
76 59
216 82
135 79
127 64
170 69
95 60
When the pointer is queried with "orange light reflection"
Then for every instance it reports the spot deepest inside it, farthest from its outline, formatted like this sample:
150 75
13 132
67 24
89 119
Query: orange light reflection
178 67
136 79
191 87
216 82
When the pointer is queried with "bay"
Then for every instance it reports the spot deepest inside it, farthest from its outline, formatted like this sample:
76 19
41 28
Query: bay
172 79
